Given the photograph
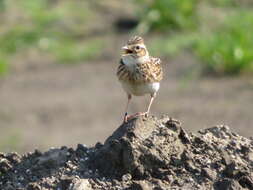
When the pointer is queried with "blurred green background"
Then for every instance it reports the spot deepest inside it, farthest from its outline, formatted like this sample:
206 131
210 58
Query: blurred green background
58 60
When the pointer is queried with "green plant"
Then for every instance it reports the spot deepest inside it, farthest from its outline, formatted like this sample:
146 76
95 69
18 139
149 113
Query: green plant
69 51
172 45
16 38
168 14
58 28
230 3
223 2
3 66
229 50
1 5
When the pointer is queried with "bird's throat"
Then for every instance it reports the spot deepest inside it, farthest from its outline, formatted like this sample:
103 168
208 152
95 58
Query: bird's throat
130 60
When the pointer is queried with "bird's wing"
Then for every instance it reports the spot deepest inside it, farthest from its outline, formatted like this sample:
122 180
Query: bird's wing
151 71
122 72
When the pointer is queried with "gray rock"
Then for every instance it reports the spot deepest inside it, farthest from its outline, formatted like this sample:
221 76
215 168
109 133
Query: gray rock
246 182
140 185
227 184
126 177
209 173
82 184
53 157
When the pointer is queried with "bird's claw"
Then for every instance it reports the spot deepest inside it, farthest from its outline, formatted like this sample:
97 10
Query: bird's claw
128 117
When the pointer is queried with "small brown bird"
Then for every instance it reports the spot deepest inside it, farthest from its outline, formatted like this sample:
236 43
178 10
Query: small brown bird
139 73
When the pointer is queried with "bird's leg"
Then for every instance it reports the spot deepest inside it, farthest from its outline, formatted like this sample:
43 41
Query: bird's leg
149 106
128 101
150 103
147 112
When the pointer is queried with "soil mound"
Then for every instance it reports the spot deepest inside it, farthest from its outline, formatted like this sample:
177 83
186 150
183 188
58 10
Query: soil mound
145 153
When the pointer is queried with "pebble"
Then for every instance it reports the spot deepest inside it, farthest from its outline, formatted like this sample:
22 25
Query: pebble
126 177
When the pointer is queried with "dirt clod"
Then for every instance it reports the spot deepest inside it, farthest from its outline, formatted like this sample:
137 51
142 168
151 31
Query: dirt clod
143 154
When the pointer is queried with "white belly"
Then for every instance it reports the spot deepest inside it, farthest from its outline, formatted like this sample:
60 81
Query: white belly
141 89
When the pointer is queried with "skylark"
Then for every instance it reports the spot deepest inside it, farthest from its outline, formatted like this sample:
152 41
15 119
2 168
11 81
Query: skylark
139 73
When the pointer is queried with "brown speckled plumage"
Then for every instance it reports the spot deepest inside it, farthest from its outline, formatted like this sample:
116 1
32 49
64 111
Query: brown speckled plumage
147 72
139 73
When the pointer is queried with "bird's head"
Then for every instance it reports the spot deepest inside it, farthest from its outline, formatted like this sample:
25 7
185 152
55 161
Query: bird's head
135 49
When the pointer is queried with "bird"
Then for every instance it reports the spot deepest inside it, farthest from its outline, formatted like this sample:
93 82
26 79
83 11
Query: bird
139 73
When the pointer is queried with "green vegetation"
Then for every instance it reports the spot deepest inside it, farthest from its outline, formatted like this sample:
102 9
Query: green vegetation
223 44
69 51
57 28
3 66
167 15
229 50
223 2
63 30
227 3
1 5
172 45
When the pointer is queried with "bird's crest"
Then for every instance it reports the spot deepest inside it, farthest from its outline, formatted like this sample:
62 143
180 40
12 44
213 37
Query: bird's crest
135 40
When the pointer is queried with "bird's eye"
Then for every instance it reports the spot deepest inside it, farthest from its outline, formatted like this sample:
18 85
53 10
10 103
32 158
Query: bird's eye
137 47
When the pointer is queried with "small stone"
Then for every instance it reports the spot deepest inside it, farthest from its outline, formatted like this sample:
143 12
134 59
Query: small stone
226 128
231 170
189 166
82 160
209 173
169 178
187 155
65 182
5 165
173 124
37 152
141 185
82 184
178 182
126 177
21 178
82 147
199 140
246 182
13 157
250 156
226 158
184 137
33 186
28 171
98 145
227 184
53 158
245 149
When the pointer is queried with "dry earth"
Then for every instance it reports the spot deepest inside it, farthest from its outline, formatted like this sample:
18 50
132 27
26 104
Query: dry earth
143 154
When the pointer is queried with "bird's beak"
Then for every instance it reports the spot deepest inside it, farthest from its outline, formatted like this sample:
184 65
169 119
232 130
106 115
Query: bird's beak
126 50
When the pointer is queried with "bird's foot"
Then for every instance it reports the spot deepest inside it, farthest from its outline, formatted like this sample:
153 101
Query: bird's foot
145 114
128 117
